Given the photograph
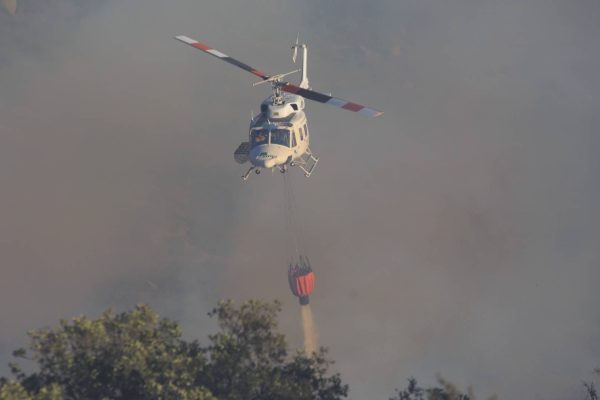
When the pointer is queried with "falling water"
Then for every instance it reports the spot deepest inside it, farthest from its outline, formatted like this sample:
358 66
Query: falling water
310 330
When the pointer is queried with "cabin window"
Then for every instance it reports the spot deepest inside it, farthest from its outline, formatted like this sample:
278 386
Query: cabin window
280 137
294 106
259 136
305 130
294 143
301 133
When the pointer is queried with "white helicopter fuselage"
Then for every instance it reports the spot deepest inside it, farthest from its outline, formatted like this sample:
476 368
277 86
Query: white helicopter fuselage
278 136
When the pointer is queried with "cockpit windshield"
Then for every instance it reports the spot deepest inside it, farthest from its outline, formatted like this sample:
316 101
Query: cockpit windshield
281 137
259 136
278 136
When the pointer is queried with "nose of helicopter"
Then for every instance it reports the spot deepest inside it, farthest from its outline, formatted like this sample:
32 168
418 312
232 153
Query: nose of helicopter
268 156
269 163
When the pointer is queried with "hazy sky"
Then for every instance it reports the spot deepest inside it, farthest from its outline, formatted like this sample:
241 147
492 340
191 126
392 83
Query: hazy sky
456 234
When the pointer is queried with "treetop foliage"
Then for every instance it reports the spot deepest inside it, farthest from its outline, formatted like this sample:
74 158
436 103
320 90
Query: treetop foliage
138 355
445 391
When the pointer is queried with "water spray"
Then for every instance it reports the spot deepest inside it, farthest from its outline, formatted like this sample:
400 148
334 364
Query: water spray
309 329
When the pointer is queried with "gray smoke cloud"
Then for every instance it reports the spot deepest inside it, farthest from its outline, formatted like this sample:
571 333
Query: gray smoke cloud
10 6
456 234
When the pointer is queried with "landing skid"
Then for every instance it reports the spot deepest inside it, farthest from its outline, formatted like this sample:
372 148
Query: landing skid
307 163
247 174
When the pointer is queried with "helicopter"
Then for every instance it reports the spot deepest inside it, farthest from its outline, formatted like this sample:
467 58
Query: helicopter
278 136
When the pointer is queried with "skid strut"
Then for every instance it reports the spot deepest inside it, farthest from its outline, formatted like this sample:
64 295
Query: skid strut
247 174
307 163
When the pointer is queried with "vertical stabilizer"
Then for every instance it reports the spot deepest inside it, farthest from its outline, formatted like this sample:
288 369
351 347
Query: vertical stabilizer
304 82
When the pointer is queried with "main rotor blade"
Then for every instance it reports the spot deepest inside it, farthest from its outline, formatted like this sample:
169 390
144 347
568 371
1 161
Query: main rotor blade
222 56
334 101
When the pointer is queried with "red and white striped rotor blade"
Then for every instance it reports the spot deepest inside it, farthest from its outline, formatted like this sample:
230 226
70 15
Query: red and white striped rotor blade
334 101
222 56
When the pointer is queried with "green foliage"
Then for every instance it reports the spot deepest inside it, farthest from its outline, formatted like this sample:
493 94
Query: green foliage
15 391
137 355
248 359
125 356
412 392
445 391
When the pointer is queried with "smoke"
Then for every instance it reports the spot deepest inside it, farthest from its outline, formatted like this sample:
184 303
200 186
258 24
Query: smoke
311 338
10 6
456 234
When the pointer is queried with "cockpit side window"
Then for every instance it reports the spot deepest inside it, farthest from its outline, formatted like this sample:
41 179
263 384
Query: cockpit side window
259 136
294 143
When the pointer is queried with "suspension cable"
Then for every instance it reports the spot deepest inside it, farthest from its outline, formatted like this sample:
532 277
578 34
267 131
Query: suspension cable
291 220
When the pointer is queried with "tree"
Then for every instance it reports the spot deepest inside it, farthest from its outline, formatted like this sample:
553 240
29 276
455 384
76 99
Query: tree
445 391
137 355
248 359
133 355
15 391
